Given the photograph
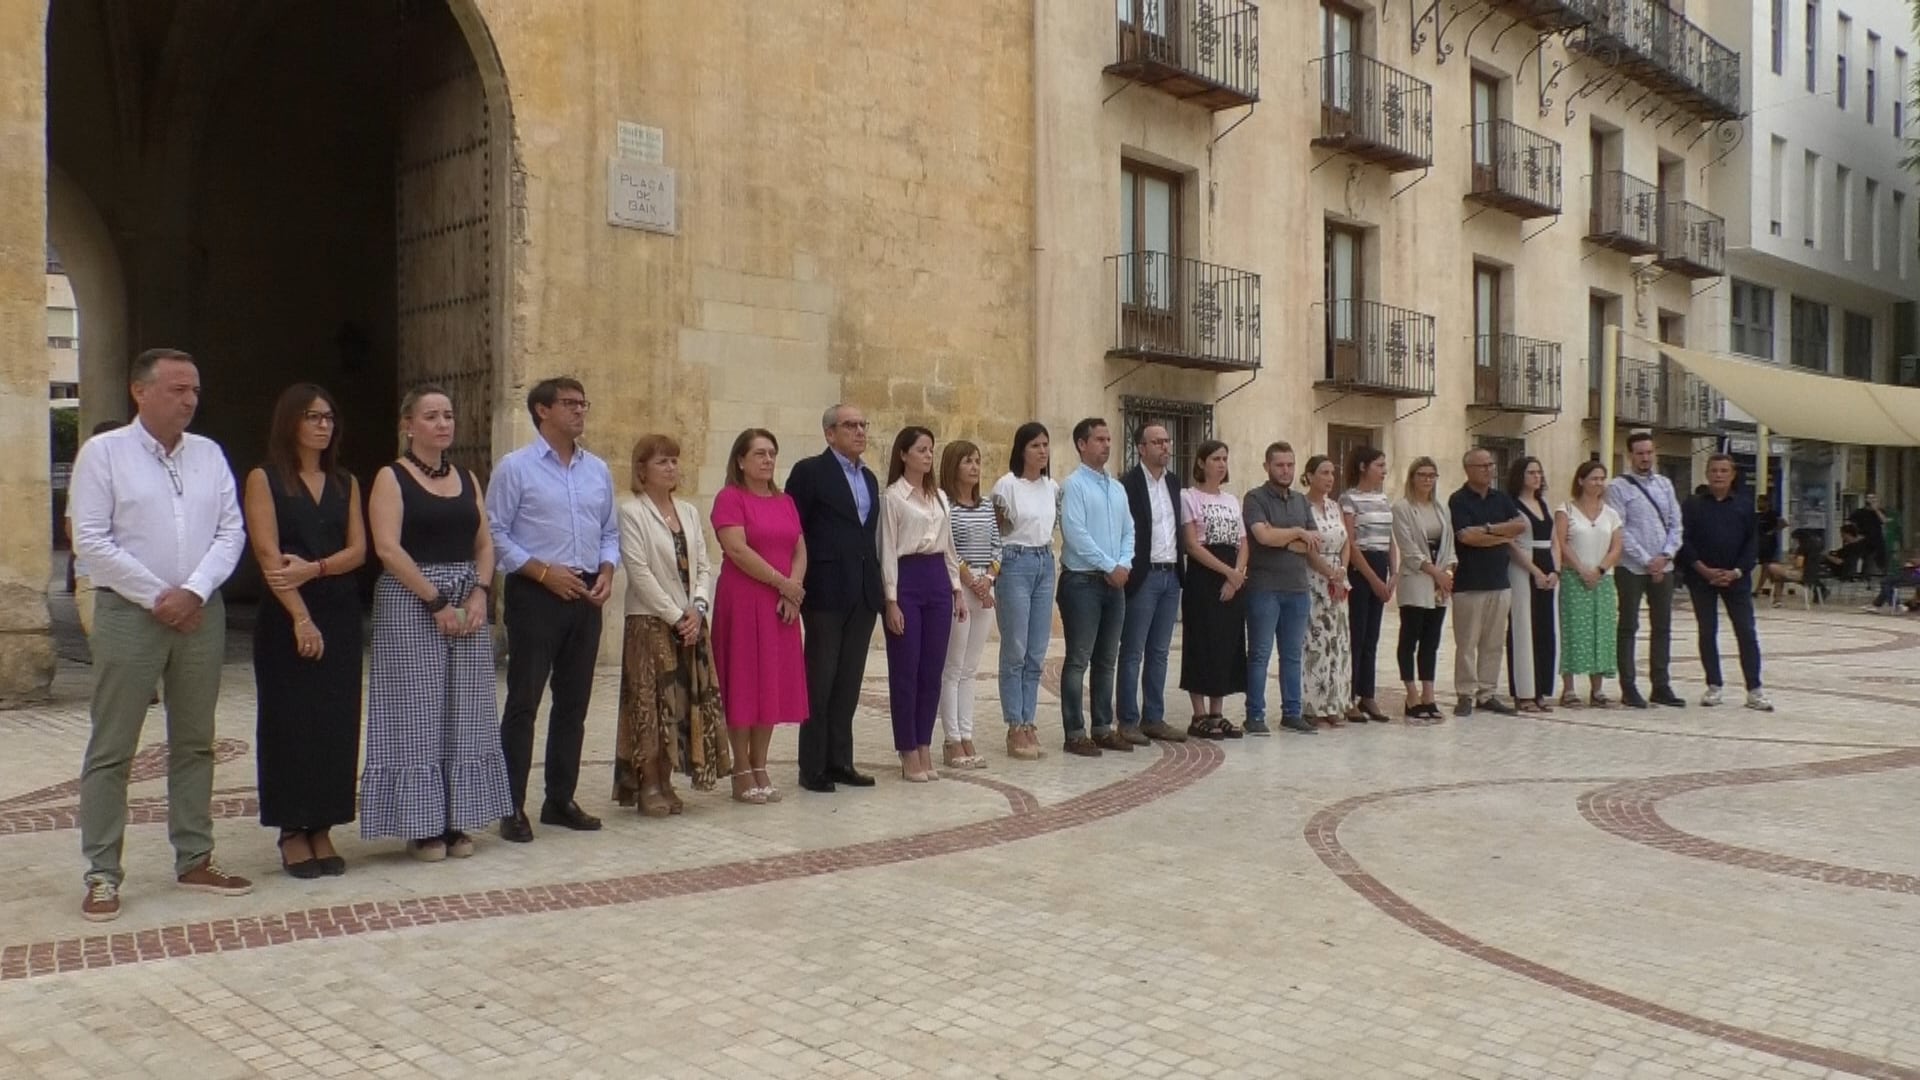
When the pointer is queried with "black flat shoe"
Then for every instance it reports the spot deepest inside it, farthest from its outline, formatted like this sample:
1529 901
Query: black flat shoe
306 869
332 866
850 777
569 816
816 783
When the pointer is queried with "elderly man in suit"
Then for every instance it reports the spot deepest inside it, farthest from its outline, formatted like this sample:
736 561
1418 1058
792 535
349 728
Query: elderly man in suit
1153 588
839 502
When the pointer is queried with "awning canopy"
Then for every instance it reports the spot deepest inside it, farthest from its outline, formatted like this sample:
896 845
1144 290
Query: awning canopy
1804 404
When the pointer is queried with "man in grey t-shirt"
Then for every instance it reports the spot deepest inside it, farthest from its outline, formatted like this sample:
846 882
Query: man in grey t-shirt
1279 559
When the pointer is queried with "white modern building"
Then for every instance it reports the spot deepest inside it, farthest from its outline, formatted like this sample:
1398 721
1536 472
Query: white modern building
1821 216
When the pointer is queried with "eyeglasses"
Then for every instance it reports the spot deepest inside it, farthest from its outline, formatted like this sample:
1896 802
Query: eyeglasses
173 471
853 425
576 404
315 416
1424 475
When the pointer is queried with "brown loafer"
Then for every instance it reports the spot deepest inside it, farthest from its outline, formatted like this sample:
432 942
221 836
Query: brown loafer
1114 739
1081 746
1163 731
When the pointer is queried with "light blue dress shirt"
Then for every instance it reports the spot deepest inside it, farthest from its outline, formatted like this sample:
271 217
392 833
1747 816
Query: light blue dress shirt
1095 525
862 498
562 514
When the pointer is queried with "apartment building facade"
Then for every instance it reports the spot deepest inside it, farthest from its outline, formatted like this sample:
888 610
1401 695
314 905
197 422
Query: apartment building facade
1821 220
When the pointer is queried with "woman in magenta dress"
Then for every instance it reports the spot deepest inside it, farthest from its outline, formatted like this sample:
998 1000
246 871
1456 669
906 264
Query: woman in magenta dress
756 611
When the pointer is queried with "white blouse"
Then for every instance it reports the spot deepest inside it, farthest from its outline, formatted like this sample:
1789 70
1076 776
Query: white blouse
1590 538
1029 507
912 524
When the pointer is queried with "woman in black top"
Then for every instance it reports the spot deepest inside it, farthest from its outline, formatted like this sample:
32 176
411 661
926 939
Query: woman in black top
434 763
1532 641
303 521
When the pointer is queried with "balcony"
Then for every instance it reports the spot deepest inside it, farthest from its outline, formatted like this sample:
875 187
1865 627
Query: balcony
1374 112
1544 16
1689 406
1515 170
1203 51
1693 242
1378 350
1640 393
1516 374
1184 313
1625 215
1659 48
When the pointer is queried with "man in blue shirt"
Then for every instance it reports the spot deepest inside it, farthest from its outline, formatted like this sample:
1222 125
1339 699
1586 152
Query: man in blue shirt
1650 532
556 534
1096 555
1718 552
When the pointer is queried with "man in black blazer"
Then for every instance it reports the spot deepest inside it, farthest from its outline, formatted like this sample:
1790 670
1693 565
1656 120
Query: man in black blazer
1153 588
839 502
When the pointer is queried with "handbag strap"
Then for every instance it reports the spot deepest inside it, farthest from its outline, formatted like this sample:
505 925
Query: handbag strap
1651 501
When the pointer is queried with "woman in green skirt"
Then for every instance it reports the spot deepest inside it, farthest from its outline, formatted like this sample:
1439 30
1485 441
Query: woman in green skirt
1587 543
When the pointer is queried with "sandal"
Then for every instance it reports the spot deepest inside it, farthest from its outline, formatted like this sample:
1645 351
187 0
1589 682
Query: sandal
433 849
1571 700
1226 728
1372 711
1203 727
750 794
768 793
458 844
653 803
1540 703
1526 706
1600 701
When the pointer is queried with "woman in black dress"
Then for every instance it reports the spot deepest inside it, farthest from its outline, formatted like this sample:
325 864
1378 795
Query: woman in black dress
1213 654
303 520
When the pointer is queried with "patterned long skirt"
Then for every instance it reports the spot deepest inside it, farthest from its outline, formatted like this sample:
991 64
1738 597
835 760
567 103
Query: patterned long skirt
1328 682
669 709
434 761
1589 618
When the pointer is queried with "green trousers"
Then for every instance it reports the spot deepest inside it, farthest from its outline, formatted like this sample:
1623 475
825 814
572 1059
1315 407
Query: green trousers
132 652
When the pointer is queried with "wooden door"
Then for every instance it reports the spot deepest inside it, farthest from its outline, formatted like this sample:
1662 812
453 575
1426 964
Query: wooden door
1339 74
1488 358
1345 319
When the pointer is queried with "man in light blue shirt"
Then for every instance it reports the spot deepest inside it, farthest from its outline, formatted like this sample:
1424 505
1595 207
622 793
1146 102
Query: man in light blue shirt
1096 527
556 535
1650 539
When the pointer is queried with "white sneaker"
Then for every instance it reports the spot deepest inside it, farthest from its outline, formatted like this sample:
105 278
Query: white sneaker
1712 696
1757 701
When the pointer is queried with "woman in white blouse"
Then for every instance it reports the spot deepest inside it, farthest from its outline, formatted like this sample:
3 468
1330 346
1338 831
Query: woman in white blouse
1027 502
921 578
669 701
1587 541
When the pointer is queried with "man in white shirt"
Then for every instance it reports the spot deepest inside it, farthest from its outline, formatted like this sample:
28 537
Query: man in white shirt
156 524
1153 589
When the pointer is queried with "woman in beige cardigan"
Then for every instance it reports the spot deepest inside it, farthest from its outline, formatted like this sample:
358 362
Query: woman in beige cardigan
669 702
1423 533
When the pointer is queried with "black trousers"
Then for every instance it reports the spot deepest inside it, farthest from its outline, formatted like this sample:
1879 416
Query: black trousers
1706 614
1420 631
1659 596
1364 611
548 640
836 663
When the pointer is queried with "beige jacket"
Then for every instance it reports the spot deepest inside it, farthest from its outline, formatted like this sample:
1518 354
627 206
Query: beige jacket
1416 587
653 573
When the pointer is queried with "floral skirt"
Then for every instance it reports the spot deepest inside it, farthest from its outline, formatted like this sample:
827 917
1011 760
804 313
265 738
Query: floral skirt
669 709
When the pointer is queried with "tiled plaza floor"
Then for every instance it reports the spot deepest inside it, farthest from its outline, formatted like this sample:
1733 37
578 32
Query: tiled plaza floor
1697 893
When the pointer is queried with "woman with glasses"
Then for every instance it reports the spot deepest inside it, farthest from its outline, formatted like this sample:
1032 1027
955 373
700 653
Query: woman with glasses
303 521
1423 535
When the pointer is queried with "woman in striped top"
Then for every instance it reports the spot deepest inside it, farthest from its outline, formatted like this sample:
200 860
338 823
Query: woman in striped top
976 541
1369 520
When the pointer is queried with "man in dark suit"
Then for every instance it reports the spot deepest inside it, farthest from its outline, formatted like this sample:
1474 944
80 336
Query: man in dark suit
1153 589
839 502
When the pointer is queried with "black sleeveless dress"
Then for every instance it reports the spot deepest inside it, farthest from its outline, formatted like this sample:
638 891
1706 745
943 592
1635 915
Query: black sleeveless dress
308 729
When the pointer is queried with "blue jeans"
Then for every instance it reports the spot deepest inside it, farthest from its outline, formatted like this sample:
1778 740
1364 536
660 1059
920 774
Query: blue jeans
1283 617
1023 607
1092 613
1146 638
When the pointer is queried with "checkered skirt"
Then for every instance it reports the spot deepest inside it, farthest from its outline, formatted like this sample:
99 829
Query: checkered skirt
433 722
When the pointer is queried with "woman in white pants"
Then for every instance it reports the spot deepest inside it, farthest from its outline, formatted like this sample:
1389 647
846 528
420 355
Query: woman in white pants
976 540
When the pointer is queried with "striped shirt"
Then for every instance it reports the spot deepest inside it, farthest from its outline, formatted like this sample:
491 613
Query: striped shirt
976 535
1372 519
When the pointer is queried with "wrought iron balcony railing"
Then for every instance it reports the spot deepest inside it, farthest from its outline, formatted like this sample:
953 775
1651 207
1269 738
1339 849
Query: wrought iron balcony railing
1380 350
1689 406
1641 390
1376 113
1515 170
1625 214
1693 242
1184 312
1203 51
1659 47
1516 374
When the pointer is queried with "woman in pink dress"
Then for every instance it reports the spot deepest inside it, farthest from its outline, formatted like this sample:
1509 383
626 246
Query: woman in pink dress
756 611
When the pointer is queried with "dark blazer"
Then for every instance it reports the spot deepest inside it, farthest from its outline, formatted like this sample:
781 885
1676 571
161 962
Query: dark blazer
1134 480
843 555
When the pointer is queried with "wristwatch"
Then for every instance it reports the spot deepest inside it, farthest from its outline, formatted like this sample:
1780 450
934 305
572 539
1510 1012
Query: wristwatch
700 605
438 604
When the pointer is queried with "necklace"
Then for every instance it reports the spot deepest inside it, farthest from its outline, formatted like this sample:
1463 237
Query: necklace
431 472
